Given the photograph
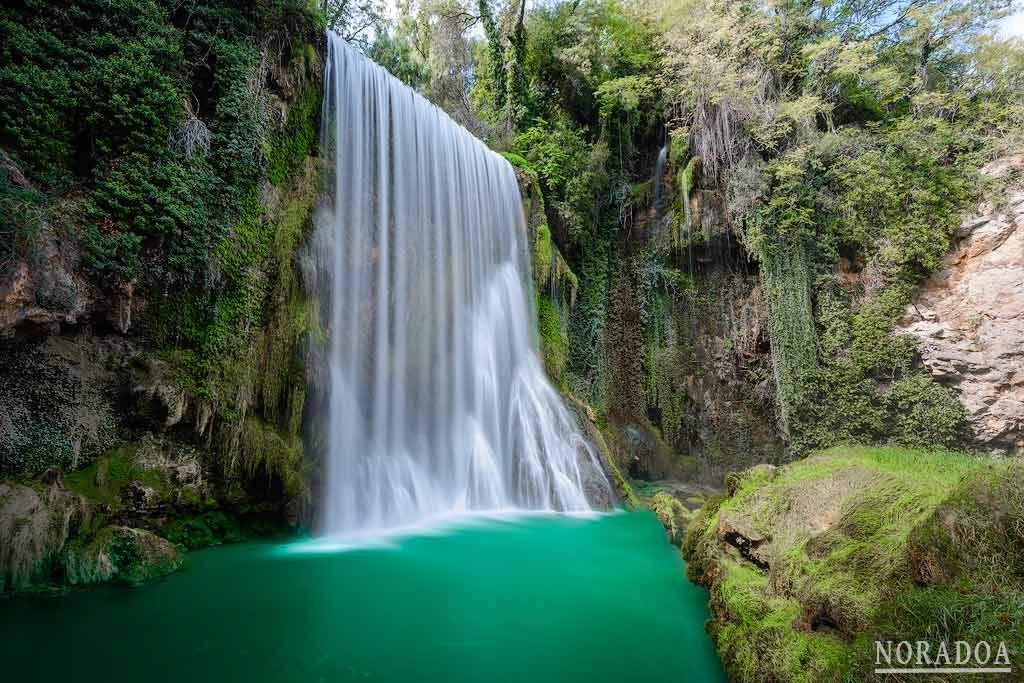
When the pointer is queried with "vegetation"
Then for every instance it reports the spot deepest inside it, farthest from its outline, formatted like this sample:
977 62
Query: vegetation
837 143
736 203
169 141
811 563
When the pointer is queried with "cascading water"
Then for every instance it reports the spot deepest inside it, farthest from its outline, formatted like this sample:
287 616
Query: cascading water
438 401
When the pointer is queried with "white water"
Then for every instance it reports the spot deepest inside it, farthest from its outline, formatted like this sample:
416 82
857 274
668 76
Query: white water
438 401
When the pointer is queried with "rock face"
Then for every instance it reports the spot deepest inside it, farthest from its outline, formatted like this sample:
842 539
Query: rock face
969 318
35 525
606 487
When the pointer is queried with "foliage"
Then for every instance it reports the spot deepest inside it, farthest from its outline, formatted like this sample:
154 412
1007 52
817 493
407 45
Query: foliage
553 340
357 21
22 214
103 479
395 52
170 141
99 110
52 413
872 146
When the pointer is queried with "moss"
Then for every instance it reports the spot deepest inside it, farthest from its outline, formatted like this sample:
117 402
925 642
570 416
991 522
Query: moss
672 514
287 149
679 146
554 342
263 450
543 256
204 530
519 162
935 614
104 478
116 552
54 412
230 525
859 541
623 487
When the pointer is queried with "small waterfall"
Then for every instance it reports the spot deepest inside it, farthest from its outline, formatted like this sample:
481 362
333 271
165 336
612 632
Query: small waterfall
438 400
661 220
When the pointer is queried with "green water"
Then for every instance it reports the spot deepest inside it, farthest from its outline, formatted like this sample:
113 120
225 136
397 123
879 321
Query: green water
539 598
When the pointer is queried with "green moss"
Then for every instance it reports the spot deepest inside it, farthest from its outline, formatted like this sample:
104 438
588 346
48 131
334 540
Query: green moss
287 149
672 514
554 343
204 530
128 555
852 534
679 146
543 256
519 162
104 478
263 449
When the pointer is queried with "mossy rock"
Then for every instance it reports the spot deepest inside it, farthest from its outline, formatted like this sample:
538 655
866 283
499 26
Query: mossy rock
672 514
202 531
103 480
131 556
810 562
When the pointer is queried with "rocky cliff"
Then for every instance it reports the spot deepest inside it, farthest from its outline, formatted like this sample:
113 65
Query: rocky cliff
969 317
152 315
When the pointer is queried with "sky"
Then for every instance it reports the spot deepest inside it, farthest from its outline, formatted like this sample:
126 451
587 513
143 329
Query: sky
1014 25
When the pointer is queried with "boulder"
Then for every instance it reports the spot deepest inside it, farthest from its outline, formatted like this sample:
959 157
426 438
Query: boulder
672 514
128 555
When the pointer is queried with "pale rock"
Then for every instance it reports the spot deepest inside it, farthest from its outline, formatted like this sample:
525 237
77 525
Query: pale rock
969 318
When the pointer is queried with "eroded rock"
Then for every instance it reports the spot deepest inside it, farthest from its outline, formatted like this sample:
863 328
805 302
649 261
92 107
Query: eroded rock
969 318
35 525
738 532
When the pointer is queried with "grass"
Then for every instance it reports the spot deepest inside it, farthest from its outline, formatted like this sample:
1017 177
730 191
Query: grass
862 542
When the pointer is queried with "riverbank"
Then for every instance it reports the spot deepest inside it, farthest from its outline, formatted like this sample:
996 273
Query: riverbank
810 563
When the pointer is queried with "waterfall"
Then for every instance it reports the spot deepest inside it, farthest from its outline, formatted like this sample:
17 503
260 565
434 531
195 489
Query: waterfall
659 199
438 402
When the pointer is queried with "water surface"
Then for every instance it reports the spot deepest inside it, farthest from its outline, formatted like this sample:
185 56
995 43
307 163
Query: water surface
535 598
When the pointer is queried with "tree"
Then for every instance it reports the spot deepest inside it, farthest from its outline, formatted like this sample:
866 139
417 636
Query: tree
357 21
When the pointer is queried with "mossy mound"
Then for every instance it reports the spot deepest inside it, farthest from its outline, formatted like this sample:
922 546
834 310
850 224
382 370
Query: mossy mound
128 555
811 563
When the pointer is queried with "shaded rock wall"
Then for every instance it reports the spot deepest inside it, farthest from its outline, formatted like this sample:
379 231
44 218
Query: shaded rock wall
131 426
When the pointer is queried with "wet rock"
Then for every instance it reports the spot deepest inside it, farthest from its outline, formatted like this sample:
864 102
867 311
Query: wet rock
672 514
128 555
35 525
603 485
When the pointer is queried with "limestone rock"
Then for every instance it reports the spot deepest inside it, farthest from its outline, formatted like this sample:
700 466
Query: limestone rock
738 532
117 552
598 482
35 525
969 318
